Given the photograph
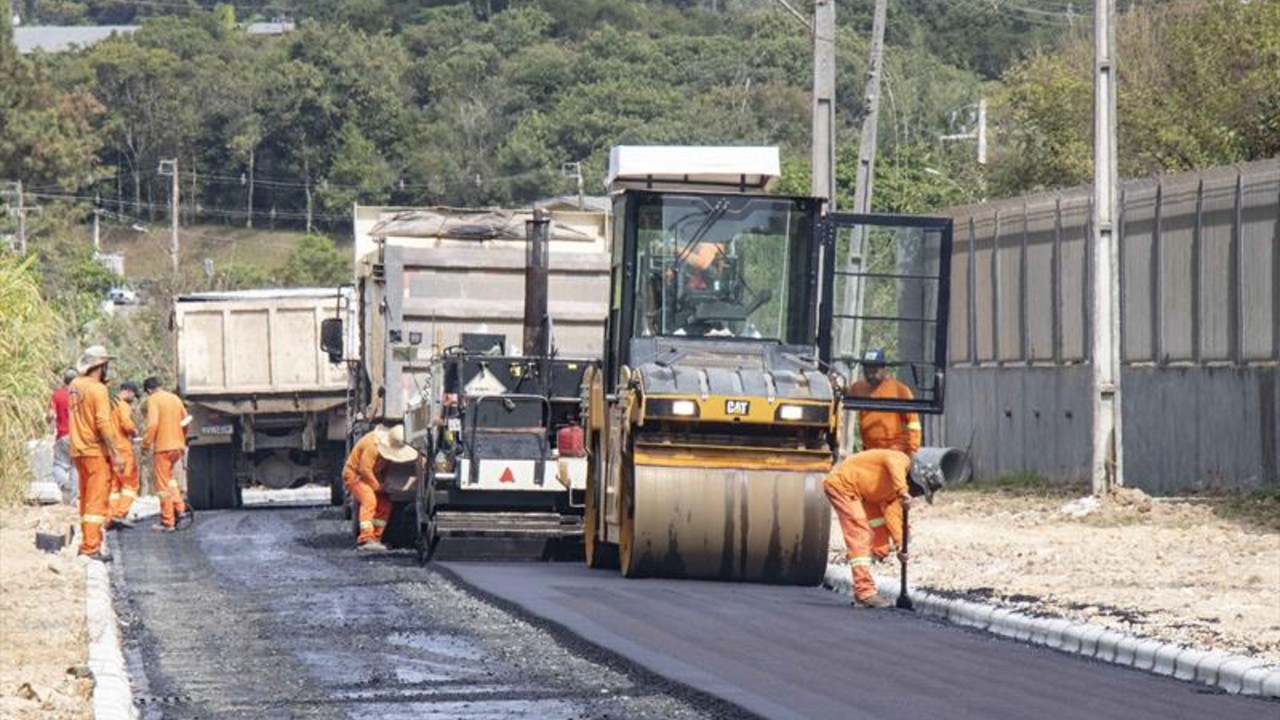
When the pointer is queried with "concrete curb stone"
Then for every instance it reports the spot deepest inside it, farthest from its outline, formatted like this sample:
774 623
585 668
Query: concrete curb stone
112 692
1236 674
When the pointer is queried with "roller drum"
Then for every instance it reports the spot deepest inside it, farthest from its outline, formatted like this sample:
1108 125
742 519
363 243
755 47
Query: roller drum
764 526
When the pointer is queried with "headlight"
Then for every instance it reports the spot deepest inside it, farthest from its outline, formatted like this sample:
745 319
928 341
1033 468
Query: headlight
686 408
791 412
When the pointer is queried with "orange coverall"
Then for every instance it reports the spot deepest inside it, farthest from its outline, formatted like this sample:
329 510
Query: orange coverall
889 430
92 430
360 475
124 485
868 484
165 413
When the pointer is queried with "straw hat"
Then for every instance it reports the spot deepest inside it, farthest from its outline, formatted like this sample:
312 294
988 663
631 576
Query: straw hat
392 447
92 357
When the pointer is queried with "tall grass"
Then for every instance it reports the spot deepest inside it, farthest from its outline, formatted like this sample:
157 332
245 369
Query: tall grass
28 349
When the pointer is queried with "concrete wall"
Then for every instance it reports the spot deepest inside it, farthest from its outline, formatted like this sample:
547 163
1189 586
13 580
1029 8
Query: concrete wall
1200 314
1184 427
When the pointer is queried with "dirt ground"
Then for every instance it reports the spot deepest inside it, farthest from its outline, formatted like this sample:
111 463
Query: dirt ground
42 625
1201 572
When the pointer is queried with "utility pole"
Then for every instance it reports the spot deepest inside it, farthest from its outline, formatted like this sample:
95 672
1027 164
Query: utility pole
867 142
855 288
18 207
574 170
824 105
22 221
1104 261
170 168
982 131
979 133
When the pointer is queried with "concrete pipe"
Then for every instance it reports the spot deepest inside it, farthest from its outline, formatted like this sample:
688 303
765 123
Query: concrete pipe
954 463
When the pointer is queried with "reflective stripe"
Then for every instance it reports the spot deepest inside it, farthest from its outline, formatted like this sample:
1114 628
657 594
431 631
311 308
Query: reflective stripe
379 523
876 522
114 496
913 426
366 524
860 560
129 493
93 519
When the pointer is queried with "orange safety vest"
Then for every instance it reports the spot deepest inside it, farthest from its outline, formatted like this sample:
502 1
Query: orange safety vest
878 479
165 413
888 430
91 424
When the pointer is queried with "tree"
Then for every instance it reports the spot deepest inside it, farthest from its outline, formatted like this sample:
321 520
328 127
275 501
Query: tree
47 135
316 262
357 174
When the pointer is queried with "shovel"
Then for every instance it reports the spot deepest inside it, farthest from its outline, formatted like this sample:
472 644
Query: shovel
904 600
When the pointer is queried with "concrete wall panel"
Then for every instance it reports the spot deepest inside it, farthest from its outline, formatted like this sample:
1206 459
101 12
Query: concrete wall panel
1074 277
1009 306
984 289
1138 289
1260 266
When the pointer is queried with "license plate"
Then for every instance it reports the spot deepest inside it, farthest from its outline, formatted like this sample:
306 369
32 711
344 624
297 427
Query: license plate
217 429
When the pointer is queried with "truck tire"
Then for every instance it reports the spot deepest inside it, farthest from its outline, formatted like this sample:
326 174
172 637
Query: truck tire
337 491
211 482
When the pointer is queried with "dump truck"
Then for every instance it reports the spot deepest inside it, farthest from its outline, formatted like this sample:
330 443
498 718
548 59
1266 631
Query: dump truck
268 407
478 345
732 337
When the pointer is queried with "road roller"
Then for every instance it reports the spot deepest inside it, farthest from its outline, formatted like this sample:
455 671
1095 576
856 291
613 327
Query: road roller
735 320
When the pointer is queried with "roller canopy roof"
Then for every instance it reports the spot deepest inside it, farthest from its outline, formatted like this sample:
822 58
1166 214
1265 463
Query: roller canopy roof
693 167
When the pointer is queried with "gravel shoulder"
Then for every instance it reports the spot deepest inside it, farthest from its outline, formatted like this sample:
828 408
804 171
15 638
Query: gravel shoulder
42 618
1202 572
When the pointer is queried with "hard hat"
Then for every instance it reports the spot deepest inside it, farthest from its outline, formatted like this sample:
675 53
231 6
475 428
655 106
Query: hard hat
92 357
392 447
875 356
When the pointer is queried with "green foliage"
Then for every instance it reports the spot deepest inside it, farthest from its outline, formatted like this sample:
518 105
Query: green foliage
72 282
1199 86
46 134
28 353
358 173
1046 106
316 262
243 276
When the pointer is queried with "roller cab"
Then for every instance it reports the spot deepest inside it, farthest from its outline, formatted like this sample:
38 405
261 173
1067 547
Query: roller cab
716 412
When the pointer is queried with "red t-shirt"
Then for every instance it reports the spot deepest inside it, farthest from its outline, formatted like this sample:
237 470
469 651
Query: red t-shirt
61 402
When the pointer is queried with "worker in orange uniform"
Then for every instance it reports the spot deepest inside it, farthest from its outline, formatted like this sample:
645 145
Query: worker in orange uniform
872 483
166 439
95 448
124 485
881 429
363 475
884 429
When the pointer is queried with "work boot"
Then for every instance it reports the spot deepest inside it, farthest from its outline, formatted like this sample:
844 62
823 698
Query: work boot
161 527
185 519
101 556
120 524
371 546
872 601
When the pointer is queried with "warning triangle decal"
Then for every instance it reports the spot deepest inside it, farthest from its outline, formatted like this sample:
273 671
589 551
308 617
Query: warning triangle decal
507 476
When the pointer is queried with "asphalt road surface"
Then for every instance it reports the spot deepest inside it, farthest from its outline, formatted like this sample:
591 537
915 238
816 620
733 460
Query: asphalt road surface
786 652
270 613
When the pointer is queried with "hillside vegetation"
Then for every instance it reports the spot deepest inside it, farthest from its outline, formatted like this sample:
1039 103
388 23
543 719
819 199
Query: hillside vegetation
495 102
